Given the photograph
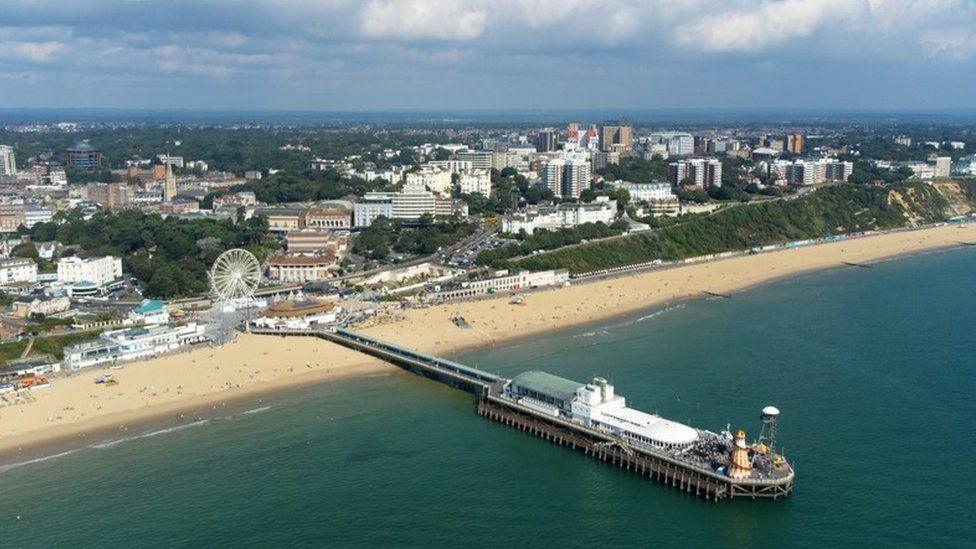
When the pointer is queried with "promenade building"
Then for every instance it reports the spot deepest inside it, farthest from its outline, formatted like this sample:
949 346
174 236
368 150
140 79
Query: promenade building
560 216
128 344
99 271
302 269
503 281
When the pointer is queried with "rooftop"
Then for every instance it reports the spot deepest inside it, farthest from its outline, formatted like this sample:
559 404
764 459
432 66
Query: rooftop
548 384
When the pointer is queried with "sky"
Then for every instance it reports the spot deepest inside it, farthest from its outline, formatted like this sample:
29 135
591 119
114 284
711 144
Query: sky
494 55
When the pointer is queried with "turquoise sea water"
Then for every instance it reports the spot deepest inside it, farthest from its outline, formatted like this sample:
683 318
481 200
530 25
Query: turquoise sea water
873 370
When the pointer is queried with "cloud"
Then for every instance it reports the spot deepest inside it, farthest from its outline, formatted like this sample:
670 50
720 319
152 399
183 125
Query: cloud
768 24
436 51
955 43
37 52
422 20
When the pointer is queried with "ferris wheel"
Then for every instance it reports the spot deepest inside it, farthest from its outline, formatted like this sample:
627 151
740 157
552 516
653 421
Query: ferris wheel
235 275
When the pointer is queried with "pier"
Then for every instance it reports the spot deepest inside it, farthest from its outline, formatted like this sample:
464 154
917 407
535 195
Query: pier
679 469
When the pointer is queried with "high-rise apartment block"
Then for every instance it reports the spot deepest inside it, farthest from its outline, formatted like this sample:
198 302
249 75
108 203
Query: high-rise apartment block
701 172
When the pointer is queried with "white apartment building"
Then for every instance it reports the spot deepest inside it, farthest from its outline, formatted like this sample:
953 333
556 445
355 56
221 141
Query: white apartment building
428 178
453 166
566 177
475 182
8 161
677 143
703 172
99 271
812 172
18 270
371 206
33 216
560 216
480 160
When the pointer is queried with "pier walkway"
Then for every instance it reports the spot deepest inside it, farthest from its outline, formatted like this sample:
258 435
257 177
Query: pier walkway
446 371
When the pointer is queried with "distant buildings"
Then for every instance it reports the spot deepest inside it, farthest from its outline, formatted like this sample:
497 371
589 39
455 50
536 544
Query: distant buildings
560 216
12 216
112 196
545 141
409 205
794 143
811 172
169 184
699 172
903 140
371 206
617 139
943 166
99 271
677 143
28 305
480 160
8 161
83 155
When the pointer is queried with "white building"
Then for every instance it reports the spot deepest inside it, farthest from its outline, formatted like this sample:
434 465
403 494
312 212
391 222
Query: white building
8 161
811 172
677 143
453 166
132 344
566 177
475 182
646 192
561 216
99 271
150 311
17 271
480 160
429 178
505 282
33 216
703 172
371 206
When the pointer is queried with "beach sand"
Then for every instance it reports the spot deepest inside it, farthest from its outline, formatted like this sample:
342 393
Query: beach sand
74 407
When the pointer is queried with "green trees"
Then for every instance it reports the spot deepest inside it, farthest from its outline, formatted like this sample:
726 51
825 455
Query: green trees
833 210
635 170
170 256
384 235
543 239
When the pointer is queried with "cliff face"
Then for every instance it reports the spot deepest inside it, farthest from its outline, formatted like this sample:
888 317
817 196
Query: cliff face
960 196
828 211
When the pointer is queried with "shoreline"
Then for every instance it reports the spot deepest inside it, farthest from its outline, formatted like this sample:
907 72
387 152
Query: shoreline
26 436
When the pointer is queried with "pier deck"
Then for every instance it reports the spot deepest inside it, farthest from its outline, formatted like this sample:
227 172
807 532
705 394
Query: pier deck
672 469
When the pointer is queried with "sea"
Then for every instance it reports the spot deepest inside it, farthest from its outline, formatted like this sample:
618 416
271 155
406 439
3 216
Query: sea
872 368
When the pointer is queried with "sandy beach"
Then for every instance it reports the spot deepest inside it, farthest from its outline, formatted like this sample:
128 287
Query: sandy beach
176 386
